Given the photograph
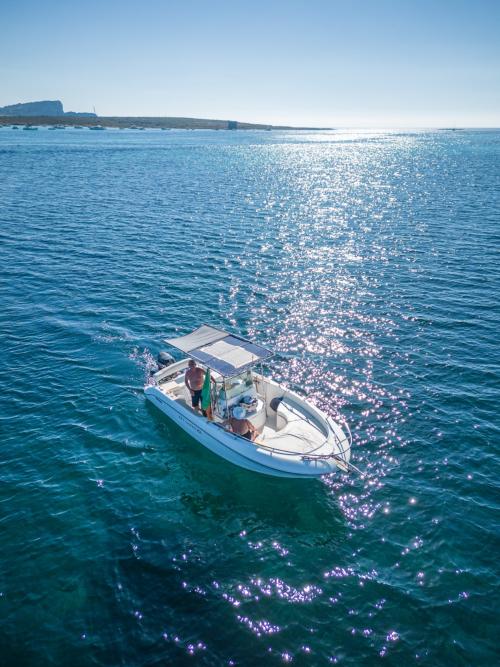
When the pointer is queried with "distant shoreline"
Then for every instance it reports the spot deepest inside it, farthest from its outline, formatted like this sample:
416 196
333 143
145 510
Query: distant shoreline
146 122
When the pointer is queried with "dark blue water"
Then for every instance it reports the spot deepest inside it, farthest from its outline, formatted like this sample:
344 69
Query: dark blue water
370 263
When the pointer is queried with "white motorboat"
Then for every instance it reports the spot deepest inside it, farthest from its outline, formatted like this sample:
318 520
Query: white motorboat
295 438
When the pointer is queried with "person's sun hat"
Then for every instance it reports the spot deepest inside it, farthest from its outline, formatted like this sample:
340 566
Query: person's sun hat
239 412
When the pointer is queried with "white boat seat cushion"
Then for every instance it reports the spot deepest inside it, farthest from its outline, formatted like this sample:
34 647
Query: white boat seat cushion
285 415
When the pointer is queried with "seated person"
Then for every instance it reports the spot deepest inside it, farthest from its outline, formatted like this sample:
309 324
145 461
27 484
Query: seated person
240 425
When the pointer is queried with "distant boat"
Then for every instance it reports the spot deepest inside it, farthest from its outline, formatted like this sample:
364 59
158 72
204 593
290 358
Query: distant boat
57 127
78 127
29 127
96 127
14 127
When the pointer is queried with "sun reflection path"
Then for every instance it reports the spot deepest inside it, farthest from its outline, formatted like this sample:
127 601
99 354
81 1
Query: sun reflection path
313 285
318 263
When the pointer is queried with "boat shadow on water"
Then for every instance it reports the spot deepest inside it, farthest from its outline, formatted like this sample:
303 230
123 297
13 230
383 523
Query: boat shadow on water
224 491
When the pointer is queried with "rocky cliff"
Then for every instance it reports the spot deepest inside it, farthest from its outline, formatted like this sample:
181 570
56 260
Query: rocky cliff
44 108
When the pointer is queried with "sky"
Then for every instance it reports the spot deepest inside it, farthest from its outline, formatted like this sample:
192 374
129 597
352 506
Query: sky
333 63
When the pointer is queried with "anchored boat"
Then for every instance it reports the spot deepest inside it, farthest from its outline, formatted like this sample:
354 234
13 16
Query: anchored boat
294 438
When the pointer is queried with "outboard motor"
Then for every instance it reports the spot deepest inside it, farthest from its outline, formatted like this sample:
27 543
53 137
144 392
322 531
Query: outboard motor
164 359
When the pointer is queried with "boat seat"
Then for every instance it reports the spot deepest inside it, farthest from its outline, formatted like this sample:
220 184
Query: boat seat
285 415
296 434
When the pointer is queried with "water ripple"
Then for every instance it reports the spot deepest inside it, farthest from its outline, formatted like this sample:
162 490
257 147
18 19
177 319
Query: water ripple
368 261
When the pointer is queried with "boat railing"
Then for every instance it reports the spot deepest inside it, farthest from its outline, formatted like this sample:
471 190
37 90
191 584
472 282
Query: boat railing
306 456
342 451
273 450
343 446
348 439
338 441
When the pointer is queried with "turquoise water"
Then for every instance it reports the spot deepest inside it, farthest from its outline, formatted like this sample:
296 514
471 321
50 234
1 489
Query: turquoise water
369 261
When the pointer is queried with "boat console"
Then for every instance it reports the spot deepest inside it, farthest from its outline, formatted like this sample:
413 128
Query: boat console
238 391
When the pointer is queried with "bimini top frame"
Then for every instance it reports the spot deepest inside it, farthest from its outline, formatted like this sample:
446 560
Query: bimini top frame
219 350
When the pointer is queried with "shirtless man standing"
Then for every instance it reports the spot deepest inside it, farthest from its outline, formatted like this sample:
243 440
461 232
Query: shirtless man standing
193 380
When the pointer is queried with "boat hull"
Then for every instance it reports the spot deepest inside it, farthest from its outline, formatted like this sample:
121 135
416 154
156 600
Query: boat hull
235 449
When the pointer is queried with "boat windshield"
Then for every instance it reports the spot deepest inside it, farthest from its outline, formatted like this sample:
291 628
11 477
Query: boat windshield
229 392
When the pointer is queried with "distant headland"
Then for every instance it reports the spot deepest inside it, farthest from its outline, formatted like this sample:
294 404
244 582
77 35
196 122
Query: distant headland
48 112
44 108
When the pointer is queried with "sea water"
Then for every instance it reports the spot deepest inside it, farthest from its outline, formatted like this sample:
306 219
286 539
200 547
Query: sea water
369 262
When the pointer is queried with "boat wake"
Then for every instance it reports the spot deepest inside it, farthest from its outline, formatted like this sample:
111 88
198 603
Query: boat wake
145 360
